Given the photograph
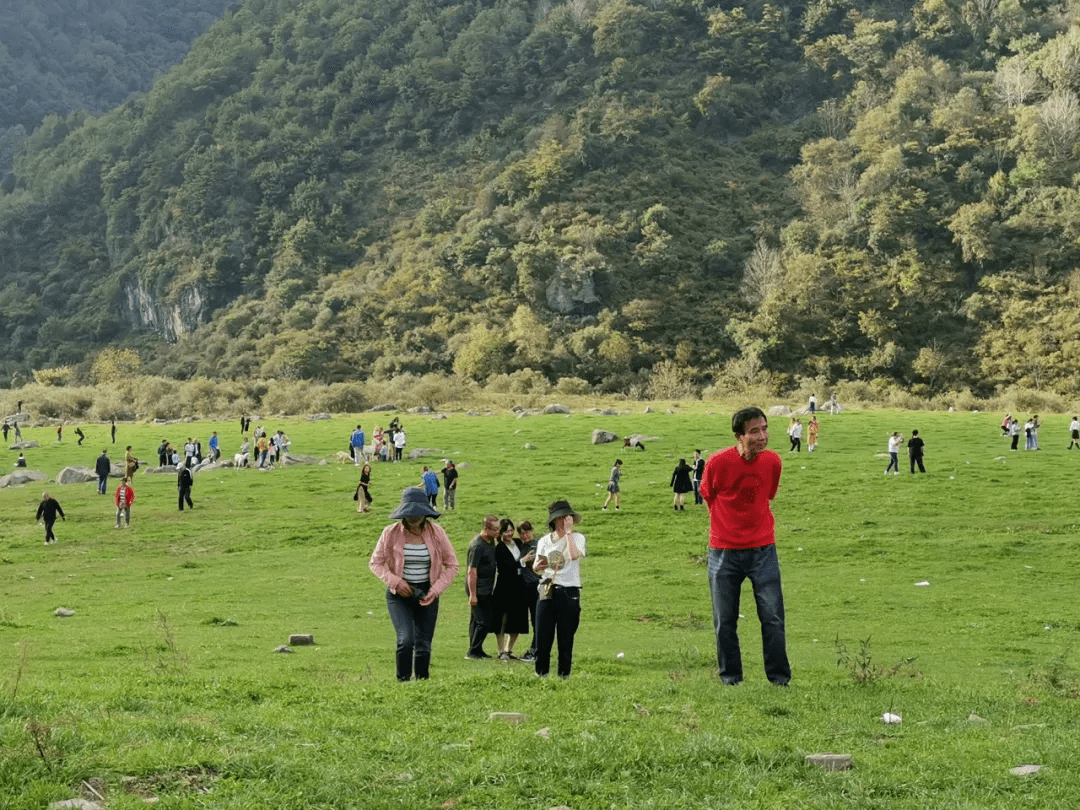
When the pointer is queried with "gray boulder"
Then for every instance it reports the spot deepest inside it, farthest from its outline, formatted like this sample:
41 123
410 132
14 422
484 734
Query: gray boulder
555 407
603 437
76 475
319 417
23 445
20 477
386 406
779 410
421 409
289 458
420 452
528 446
438 416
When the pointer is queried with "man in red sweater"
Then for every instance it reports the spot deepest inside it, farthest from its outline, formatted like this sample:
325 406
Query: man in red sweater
737 485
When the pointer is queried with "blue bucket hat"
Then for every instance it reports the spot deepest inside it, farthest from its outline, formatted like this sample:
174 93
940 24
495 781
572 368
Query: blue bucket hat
414 503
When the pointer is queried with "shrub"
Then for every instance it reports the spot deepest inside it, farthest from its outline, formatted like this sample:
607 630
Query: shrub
340 398
572 386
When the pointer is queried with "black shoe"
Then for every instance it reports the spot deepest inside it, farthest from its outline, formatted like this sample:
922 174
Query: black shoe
528 656
480 656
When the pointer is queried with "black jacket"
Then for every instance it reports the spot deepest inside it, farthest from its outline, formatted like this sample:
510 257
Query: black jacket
49 509
103 466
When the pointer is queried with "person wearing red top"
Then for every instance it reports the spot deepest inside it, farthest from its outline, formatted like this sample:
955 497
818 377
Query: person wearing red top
737 485
125 497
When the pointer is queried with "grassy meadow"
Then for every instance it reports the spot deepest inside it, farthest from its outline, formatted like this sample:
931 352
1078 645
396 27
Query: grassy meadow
165 683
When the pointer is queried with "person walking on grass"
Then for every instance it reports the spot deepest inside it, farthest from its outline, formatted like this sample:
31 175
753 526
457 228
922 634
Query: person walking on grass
356 445
430 480
184 483
613 485
417 562
811 434
895 440
915 449
480 587
362 496
698 470
681 484
1074 433
450 478
1014 432
125 497
738 486
47 511
558 609
102 467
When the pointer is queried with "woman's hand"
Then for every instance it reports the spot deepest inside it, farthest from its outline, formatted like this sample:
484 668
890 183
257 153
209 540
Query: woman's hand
403 588
429 597
540 565
529 557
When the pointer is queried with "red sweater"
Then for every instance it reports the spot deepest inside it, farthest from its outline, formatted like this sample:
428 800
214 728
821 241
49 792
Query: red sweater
130 495
738 494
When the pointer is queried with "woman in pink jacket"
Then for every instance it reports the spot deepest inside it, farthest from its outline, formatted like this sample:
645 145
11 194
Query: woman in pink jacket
416 561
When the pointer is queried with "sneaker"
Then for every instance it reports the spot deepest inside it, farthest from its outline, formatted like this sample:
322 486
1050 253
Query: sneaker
528 656
504 656
616 509
604 509
475 657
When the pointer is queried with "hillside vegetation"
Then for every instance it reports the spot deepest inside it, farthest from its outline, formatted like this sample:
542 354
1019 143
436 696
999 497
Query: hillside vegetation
652 197
59 56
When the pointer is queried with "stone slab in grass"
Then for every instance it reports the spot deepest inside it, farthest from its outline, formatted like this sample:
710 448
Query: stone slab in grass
830 762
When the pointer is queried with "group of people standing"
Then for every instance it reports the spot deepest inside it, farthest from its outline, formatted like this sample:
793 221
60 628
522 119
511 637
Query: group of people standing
1010 427
795 433
510 581
388 445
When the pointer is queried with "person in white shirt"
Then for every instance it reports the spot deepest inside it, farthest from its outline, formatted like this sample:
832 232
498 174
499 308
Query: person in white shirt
1074 432
894 450
558 610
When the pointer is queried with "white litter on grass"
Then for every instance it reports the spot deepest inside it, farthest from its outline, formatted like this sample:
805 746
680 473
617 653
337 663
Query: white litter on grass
862 580
1047 627
620 655
922 584
891 719
951 477
370 613
800 548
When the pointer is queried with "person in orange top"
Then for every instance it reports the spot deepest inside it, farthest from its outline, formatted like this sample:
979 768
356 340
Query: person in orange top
125 497
737 486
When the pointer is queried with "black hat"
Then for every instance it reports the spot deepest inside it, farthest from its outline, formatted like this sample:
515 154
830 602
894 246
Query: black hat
414 503
560 509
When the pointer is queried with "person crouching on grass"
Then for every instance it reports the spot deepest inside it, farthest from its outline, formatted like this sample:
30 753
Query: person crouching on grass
416 561
738 485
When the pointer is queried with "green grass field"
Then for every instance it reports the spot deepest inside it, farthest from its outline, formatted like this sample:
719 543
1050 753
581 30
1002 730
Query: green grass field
165 682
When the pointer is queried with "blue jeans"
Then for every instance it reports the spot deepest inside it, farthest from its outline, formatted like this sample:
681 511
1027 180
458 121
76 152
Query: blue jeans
559 615
101 484
727 570
894 462
697 491
415 628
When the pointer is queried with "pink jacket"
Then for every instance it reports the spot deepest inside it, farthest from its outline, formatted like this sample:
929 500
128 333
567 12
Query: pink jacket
388 559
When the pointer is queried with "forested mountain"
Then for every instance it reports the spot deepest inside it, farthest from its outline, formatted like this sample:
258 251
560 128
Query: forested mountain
58 56
668 192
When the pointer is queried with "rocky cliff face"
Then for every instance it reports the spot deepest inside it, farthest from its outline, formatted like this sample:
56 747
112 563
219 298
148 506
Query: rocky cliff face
171 319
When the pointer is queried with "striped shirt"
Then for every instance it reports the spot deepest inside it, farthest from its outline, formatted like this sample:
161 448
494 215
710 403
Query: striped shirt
417 563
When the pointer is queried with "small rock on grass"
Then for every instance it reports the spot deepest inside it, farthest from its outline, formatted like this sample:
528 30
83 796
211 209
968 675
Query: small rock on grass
63 611
513 718
830 762
283 649
974 718
1025 770
79 804
300 639
544 733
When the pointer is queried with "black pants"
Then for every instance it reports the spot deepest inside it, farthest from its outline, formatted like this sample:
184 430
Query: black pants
185 495
1015 441
481 622
49 536
917 460
557 617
